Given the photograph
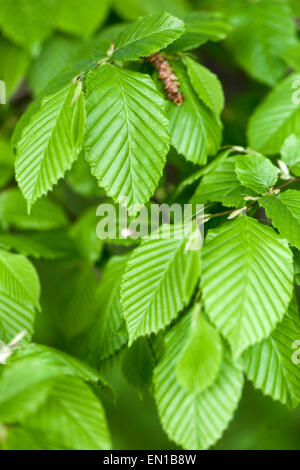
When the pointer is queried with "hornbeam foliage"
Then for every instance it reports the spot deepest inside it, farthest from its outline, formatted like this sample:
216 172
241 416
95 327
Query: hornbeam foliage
284 385
126 149
247 301
159 280
131 103
50 143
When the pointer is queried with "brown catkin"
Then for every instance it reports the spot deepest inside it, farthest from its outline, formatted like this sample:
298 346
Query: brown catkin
167 75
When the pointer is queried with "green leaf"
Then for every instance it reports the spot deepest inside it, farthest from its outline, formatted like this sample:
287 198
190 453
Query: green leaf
127 133
195 130
83 232
81 181
15 317
194 420
211 166
199 361
45 215
58 49
201 27
27 379
71 296
149 34
64 363
206 84
295 6
81 18
50 142
103 339
14 63
160 277
269 364
284 210
62 80
262 31
138 364
18 438
23 391
290 153
132 9
51 245
19 279
221 185
247 281
111 32
256 172
27 22
72 417
291 56
275 118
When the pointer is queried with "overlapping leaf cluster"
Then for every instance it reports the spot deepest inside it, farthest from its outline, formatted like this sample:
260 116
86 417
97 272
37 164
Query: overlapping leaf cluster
187 324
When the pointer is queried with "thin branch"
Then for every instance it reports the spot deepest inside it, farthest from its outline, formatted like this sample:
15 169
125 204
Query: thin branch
292 180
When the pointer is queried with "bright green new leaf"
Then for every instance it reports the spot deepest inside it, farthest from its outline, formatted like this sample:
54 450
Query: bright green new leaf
149 34
45 214
284 211
276 117
206 84
199 361
256 172
19 279
247 280
127 133
195 130
194 420
50 142
269 364
160 277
